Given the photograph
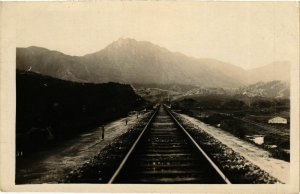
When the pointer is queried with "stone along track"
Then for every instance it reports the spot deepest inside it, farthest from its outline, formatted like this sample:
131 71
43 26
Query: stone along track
165 153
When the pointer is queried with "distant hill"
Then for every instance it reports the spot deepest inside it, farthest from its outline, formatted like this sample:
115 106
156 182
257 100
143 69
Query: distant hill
51 63
279 70
140 62
271 89
262 98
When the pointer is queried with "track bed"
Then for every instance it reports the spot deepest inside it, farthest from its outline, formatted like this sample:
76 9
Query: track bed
165 154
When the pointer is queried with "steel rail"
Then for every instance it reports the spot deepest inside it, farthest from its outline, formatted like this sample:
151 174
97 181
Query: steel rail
198 147
132 148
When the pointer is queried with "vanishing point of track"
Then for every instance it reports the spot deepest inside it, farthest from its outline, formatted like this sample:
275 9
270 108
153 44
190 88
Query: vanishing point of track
166 153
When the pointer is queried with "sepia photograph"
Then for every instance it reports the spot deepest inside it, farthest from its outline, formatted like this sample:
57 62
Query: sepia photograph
193 95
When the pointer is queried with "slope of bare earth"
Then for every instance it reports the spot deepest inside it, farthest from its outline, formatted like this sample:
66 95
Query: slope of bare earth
261 158
50 166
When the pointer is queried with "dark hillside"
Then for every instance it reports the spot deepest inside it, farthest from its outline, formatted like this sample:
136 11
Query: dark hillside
53 109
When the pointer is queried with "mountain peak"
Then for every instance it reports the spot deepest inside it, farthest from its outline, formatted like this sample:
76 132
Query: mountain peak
126 39
130 46
123 42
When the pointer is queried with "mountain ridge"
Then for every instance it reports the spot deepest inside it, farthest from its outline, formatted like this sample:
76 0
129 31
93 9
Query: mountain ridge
130 61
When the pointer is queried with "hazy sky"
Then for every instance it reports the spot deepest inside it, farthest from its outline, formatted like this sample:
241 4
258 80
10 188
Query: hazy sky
245 34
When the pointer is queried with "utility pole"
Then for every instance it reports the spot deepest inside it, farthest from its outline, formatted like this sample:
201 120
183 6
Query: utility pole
103 130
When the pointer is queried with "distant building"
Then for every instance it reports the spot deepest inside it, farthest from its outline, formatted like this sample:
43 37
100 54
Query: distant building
277 120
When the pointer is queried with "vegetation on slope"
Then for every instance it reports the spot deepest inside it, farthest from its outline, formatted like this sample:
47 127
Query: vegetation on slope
51 109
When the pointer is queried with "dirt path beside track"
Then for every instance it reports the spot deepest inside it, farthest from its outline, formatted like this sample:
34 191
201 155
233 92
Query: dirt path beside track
49 166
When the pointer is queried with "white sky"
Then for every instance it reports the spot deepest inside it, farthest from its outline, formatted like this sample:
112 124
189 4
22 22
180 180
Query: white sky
247 34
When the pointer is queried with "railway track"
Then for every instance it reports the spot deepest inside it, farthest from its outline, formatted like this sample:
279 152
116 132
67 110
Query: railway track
164 152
